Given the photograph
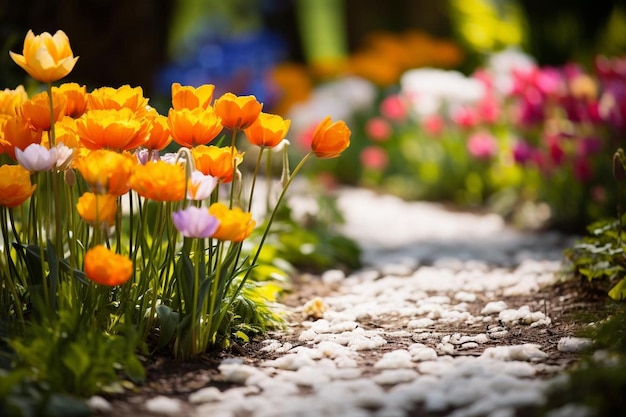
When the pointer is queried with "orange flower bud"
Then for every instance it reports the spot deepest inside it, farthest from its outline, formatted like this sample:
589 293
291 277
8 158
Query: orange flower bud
113 129
107 268
159 181
216 162
194 127
237 112
36 111
188 97
15 186
97 209
234 225
46 58
268 130
330 139
106 172
76 98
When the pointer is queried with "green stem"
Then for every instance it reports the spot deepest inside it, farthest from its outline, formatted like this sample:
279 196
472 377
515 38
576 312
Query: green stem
256 172
9 269
233 141
266 232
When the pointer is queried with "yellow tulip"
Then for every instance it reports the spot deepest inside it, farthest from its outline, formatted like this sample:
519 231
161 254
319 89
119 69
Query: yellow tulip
235 225
194 127
159 181
37 110
106 172
268 130
108 98
97 209
46 57
107 268
188 97
112 129
15 186
76 98
11 100
237 112
216 162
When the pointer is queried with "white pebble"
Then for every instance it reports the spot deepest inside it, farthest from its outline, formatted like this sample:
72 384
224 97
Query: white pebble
574 344
164 405
420 323
395 376
468 297
396 359
206 395
494 307
526 352
99 404
333 277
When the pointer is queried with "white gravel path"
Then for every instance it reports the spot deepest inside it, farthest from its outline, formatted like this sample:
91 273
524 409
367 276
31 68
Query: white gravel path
434 283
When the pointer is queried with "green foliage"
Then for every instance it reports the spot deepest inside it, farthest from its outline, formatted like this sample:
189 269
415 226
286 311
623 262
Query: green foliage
600 256
73 358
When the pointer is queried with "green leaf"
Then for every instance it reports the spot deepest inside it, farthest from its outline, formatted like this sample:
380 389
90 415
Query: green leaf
168 321
618 292
77 361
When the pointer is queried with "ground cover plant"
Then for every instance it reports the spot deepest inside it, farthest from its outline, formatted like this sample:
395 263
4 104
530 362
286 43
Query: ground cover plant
114 249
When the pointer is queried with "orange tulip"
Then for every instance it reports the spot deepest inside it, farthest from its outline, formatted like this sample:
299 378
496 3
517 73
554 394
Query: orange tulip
65 131
11 100
188 97
18 134
159 181
107 268
107 172
194 127
76 98
330 139
108 98
237 112
235 225
15 186
159 132
45 57
113 129
97 209
216 162
268 130
37 110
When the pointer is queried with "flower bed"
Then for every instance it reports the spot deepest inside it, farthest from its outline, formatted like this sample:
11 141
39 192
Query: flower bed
113 247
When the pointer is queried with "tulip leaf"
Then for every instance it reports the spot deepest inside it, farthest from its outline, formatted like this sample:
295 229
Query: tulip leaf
168 320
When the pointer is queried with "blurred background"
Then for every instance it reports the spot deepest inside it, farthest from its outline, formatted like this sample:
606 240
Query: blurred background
483 103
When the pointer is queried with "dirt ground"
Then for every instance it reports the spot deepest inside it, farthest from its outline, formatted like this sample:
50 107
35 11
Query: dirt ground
570 305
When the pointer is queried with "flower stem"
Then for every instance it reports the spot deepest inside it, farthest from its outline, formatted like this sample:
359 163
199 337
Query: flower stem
256 172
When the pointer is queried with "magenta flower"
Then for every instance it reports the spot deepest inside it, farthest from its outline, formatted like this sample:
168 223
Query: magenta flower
378 129
482 145
195 222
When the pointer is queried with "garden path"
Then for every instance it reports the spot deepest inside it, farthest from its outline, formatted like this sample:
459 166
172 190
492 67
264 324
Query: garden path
449 316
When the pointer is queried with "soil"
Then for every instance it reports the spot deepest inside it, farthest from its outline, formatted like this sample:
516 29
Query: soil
570 304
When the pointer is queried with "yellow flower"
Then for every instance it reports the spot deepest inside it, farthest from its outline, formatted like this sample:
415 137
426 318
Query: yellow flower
216 162
113 129
46 58
235 225
15 186
37 110
107 268
268 130
330 139
97 209
237 112
76 98
65 131
11 100
108 98
194 127
107 172
159 181
188 97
